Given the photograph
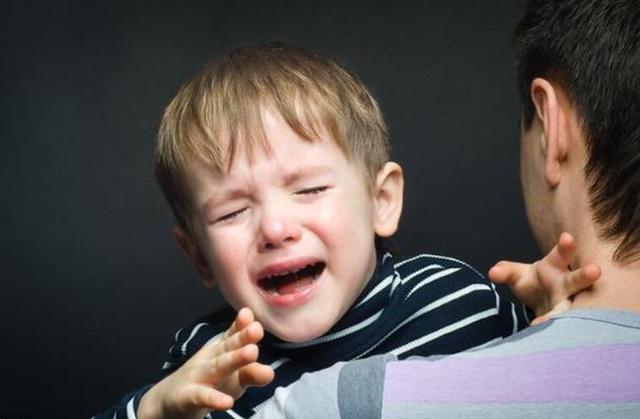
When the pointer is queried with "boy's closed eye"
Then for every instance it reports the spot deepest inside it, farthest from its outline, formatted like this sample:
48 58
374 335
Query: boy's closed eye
228 217
233 215
312 191
311 194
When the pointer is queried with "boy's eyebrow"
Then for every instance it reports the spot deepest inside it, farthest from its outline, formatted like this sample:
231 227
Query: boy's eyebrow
301 172
220 197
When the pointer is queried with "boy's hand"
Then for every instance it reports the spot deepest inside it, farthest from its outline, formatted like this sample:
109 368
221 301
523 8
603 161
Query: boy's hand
546 286
212 378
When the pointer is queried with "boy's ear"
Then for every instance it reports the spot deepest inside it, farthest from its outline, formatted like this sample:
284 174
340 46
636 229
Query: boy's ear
554 140
388 199
191 251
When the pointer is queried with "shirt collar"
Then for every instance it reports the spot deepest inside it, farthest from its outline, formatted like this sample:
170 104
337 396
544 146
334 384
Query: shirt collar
344 337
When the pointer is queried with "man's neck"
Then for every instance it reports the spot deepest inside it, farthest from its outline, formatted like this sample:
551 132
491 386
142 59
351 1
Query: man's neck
619 284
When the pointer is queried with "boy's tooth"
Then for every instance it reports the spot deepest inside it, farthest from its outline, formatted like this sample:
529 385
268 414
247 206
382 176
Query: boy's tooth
275 284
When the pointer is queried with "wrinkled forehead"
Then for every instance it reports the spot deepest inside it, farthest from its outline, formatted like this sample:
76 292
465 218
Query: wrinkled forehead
270 140
256 134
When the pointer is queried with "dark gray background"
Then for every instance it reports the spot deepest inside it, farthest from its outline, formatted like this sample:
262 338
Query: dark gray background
93 287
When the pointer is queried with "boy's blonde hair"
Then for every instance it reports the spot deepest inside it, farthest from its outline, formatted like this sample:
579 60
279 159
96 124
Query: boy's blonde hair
221 108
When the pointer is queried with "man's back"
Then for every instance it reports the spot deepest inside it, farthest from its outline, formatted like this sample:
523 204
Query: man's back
583 364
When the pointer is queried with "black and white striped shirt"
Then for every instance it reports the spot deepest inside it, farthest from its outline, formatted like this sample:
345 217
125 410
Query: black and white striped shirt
423 305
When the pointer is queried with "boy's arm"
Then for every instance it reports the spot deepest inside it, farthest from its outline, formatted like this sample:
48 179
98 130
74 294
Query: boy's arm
211 379
546 286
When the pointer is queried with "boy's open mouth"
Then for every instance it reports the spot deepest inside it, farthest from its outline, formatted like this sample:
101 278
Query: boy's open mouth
292 281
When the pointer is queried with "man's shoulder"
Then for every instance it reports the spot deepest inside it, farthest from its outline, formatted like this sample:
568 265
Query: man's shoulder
572 351
334 392
576 328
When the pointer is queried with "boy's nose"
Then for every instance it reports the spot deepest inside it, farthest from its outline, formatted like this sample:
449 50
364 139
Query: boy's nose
276 232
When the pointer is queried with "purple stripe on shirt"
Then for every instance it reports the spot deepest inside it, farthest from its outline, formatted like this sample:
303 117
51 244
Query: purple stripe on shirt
600 373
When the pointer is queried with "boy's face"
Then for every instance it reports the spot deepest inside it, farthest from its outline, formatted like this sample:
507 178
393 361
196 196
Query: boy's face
289 233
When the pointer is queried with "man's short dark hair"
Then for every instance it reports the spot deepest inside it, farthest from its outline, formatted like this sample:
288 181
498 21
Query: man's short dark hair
591 49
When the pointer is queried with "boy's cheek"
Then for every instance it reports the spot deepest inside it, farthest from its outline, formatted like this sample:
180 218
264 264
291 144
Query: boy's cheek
347 209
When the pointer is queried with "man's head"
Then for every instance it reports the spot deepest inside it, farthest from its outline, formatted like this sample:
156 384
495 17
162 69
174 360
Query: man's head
583 56
274 161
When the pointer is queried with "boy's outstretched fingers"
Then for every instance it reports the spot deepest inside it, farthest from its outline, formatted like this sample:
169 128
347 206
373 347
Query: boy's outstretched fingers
576 281
582 278
252 333
243 318
240 370
505 272
222 366
211 398
213 377
519 279
501 272
564 252
256 375
548 285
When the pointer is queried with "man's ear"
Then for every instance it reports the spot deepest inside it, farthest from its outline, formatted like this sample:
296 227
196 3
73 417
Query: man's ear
388 199
554 140
191 251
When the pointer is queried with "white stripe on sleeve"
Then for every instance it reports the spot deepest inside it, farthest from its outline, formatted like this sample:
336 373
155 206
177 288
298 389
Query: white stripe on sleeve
130 413
445 330
432 278
432 306
193 333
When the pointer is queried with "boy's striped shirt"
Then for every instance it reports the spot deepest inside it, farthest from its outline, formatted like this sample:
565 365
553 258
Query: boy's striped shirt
423 305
